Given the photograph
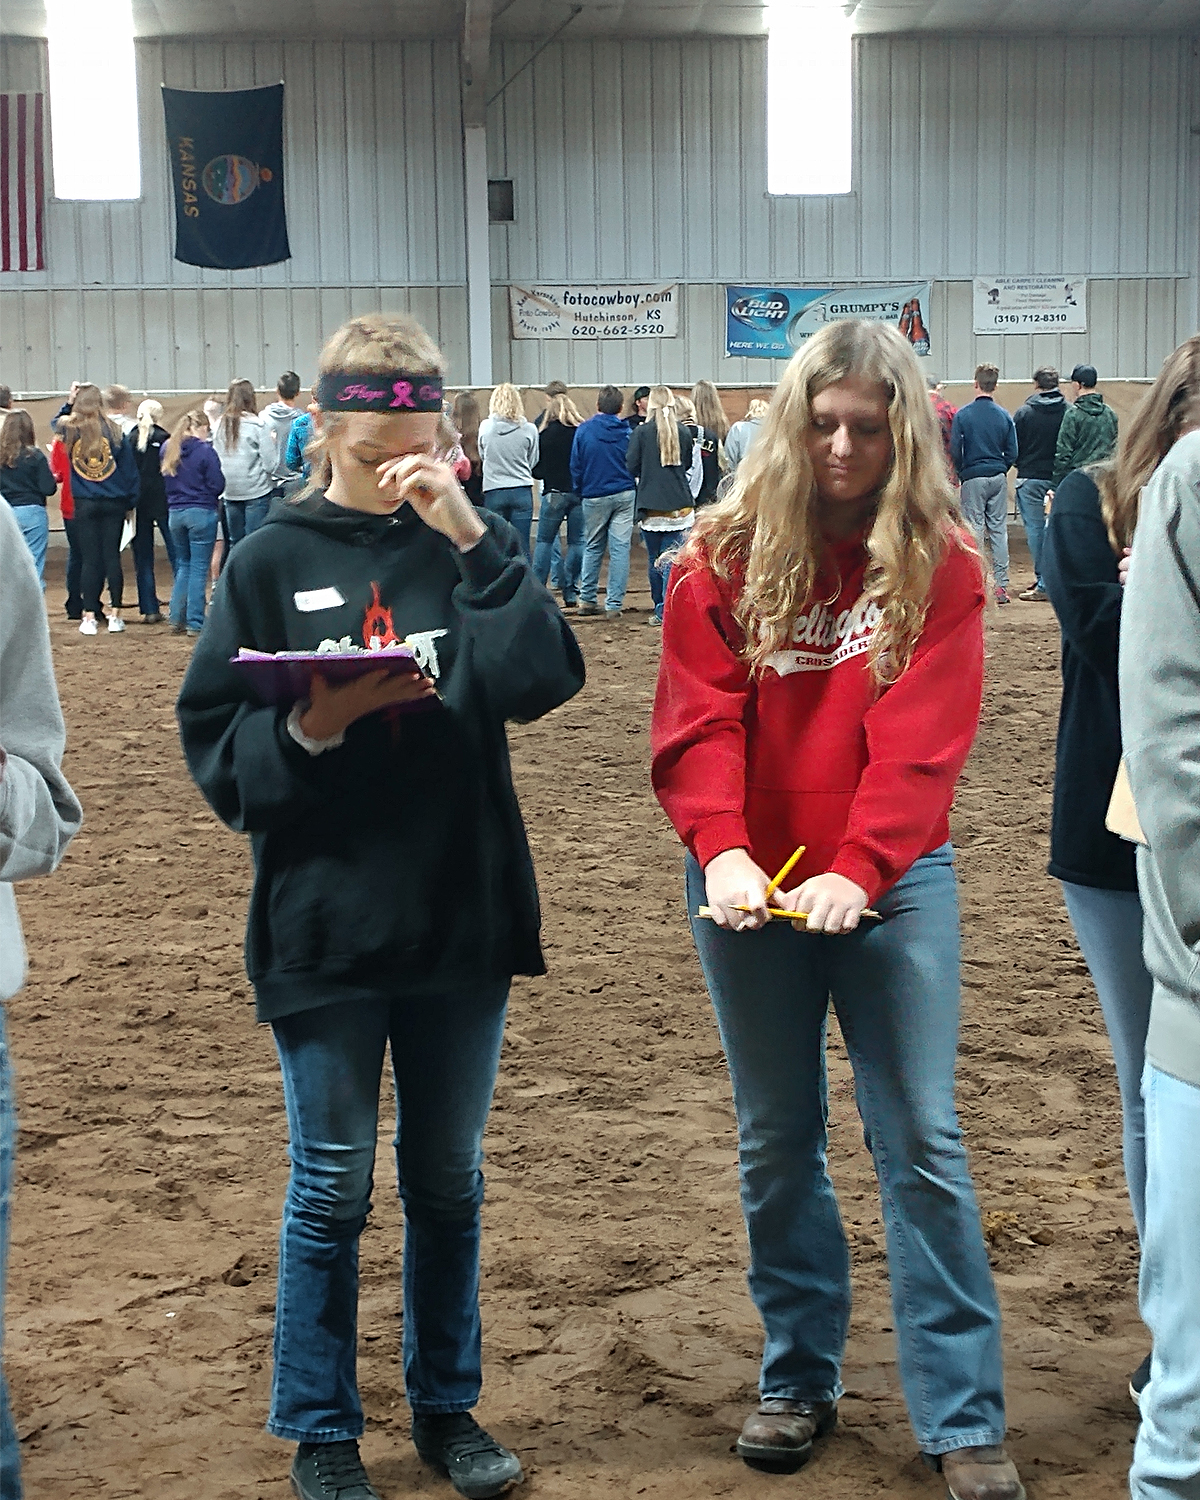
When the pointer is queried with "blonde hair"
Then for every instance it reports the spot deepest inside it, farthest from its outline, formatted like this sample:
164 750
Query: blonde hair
563 409
686 408
758 409
506 403
1174 400
85 428
371 344
187 426
239 401
661 406
148 413
767 536
709 411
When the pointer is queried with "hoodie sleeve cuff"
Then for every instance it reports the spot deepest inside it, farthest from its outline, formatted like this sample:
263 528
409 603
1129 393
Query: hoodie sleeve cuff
853 864
726 831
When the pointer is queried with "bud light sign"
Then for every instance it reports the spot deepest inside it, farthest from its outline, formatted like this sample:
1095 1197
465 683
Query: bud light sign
772 322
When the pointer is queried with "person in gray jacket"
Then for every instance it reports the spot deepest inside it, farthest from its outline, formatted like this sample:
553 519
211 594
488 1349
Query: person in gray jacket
39 815
1160 726
742 434
245 447
508 446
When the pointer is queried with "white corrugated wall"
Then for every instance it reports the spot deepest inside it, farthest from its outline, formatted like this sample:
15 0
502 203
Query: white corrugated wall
639 161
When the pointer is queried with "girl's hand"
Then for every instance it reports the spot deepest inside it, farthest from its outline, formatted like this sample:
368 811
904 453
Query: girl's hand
1123 566
436 496
1048 503
833 903
332 709
731 880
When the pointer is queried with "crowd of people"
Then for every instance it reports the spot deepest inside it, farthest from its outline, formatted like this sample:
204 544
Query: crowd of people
822 607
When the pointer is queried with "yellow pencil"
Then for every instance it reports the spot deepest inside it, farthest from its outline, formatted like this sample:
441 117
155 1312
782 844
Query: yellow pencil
785 872
789 916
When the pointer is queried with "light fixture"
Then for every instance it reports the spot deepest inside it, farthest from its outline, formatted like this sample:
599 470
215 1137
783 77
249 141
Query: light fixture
93 99
809 107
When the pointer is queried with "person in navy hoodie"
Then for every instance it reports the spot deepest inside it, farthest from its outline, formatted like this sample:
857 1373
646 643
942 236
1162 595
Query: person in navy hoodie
599 475
983 447
194 484
1037 423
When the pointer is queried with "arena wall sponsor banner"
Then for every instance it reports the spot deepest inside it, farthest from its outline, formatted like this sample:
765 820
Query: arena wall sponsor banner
594 312
772 322
1030 304
227 169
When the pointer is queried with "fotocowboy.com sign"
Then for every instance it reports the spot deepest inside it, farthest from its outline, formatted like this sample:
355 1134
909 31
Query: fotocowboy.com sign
594 312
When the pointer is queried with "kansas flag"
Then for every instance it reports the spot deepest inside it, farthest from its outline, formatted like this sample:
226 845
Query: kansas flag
227 167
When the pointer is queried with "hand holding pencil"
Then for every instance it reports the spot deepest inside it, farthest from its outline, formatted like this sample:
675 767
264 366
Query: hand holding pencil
741 897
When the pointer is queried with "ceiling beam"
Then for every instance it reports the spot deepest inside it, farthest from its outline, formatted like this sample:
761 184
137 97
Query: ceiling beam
476 59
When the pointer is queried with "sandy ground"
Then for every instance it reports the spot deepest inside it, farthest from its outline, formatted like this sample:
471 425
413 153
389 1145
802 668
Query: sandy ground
621 1348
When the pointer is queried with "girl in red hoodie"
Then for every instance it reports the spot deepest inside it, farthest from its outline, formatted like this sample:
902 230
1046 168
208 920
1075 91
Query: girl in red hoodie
820 685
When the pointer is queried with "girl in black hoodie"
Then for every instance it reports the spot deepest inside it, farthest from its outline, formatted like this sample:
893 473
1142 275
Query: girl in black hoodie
148 438
394 894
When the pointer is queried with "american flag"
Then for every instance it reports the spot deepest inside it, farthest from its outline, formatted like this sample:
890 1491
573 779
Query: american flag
22 182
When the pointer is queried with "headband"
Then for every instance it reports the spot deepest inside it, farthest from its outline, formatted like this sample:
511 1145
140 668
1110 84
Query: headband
385 393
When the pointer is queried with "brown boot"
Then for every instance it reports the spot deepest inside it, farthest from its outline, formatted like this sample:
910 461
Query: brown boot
981 1474
779 1435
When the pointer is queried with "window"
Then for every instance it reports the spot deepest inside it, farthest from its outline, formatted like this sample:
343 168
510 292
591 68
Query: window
93 99
809 110
500 201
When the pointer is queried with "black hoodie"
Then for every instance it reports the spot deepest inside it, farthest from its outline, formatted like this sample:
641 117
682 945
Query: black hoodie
397 863
1037 422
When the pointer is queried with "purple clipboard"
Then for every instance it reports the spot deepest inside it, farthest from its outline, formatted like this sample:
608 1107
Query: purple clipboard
283 678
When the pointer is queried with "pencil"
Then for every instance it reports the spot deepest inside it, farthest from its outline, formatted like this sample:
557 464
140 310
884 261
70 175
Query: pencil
785 872
789 916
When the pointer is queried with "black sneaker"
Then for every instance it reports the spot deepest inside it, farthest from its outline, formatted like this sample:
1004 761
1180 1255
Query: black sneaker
475 1464
1139 1380
331 1471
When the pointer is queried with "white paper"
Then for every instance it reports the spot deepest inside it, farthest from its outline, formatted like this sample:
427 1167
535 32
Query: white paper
309 601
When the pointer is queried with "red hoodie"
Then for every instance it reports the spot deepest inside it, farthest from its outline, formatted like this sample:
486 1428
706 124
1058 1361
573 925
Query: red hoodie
814 752
60 467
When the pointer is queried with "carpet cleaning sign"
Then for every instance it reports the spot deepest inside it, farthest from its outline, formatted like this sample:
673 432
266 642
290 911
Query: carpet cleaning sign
1030 304
772 322
594 312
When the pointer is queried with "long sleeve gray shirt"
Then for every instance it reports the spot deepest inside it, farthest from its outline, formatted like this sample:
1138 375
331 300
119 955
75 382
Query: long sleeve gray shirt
1160 731
39 813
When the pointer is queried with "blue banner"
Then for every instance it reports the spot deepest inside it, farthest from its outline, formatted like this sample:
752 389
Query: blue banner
772 322
227 168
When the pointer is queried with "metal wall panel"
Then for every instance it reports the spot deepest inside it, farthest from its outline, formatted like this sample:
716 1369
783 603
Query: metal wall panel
374 187
973 156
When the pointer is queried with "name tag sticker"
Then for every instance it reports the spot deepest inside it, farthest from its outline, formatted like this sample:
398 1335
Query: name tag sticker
309 601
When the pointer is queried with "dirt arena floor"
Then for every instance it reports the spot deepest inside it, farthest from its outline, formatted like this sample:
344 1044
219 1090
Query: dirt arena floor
621 1347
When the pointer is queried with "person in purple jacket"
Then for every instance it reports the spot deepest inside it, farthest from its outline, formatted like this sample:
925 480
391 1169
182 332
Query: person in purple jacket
194 483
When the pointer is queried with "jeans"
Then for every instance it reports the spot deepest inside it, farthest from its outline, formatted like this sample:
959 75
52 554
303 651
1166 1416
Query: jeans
445 1052
143 559
1166 1460
98 527
244 516
895 988
1031 502
985 506
607 518
557 507
1108 926
10 1452
35 528
194 533
516 506
74 571
658 542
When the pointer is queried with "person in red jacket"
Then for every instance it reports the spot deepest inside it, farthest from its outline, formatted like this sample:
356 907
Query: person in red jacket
60 467
820 684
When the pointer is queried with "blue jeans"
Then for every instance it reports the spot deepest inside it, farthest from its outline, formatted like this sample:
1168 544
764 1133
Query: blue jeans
516 506
658 542
35 528
607 519
557 507
143 559
10 1452
244 516
1166 1461
1108 926
74 572
985 509
1031 502
895 988
194 534
445 1052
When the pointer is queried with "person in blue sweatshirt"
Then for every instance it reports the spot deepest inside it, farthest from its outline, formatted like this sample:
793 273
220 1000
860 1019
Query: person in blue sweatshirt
609 491
394 893
983 447
194 484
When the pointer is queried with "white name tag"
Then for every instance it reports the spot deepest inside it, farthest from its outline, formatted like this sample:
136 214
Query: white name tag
309 601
